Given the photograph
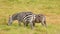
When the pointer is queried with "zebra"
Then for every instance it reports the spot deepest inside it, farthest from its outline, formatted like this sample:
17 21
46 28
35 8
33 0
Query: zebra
28 18
40 18
25 17
36 18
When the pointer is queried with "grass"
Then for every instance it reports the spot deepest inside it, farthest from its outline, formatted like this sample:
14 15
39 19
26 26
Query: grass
51 29
50 8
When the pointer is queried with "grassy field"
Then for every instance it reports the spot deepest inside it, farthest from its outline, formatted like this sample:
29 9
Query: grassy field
50 8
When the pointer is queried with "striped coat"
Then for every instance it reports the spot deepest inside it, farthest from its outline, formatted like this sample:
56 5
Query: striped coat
25 17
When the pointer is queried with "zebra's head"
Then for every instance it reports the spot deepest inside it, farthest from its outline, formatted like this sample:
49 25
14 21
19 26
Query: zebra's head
42 18
10 20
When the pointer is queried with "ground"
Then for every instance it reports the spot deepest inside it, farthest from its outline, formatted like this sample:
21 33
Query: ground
50 8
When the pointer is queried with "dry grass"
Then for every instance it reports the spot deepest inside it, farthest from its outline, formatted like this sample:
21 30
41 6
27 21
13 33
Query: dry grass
50 8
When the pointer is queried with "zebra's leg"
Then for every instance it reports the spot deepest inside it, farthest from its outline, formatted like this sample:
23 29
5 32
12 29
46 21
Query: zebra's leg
31 25
19 23
27 24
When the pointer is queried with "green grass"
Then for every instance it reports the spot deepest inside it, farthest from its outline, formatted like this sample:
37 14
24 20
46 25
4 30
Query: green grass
38 29
50 8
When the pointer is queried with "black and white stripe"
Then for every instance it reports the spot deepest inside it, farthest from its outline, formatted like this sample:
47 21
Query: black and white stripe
29 19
